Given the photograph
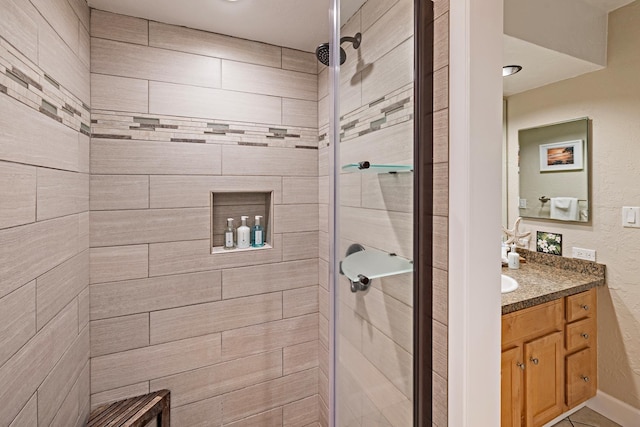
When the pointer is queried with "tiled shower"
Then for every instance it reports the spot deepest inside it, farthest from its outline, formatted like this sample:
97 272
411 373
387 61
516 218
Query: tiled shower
114 133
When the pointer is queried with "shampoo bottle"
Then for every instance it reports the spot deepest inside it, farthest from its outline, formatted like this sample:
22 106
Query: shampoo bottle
244 239
228 235
514 258
257 233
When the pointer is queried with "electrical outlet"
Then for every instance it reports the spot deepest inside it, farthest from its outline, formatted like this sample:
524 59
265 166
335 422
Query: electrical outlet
522 203
586 254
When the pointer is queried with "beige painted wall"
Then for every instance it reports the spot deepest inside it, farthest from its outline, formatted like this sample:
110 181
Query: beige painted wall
44 220
611 98
180 113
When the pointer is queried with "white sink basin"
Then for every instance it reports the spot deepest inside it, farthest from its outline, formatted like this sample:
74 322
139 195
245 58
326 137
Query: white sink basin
509 284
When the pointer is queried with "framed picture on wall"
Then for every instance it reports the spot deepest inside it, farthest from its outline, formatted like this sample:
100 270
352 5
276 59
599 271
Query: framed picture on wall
561 156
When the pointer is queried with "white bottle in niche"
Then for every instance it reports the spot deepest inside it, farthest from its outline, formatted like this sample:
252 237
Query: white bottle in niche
514 258
228 235
244 234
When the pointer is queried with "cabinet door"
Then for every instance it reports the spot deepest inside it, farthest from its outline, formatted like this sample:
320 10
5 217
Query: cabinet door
511 388
581 376
544 379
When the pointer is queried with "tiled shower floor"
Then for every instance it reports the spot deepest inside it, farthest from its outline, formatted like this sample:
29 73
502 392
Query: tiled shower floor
586 417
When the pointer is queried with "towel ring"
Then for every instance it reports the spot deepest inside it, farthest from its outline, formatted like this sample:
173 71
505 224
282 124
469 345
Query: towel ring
544 199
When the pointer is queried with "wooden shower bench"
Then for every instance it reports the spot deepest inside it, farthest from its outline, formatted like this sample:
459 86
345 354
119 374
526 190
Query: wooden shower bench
134 412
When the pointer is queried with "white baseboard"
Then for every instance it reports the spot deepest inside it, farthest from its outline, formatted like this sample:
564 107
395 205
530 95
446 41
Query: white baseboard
565 415
614 409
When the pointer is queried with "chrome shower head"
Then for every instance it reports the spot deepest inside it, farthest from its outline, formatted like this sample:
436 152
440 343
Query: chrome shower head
322 52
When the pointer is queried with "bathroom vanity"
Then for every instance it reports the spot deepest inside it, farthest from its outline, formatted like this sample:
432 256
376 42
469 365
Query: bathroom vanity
549 340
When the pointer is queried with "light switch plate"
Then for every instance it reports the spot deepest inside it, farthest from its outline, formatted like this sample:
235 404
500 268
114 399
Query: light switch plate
523 204
631 217
586 254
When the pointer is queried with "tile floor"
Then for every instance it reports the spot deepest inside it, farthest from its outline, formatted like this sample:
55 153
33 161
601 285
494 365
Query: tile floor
586 417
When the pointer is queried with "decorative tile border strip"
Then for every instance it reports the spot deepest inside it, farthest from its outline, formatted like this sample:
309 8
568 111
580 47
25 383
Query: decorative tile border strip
24 81
149 127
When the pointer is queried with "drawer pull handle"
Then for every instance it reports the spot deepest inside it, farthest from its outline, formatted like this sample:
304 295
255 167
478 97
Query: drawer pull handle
535 360
585 307
584 378
520 365
585 336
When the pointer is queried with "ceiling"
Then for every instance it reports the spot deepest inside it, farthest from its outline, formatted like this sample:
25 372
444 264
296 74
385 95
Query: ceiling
297 24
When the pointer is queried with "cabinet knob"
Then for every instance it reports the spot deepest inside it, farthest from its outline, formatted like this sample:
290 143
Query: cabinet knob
535 360
585 336
585 378
585 307
520 365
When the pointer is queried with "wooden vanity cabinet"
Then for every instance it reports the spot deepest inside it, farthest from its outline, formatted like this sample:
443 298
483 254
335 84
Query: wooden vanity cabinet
548 361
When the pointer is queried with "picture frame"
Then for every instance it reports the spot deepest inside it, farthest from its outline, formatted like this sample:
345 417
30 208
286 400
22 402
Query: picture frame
549 243
561 156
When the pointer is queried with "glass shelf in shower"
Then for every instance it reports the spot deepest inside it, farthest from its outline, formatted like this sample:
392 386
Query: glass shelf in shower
366 167
374 264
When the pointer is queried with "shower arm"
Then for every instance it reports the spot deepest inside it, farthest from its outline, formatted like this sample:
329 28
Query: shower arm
355 40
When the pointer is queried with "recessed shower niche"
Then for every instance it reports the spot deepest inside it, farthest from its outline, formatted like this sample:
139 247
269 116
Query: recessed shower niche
235 205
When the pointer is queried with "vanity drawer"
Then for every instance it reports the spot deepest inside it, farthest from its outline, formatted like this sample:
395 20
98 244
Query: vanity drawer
581 376
581 305
531 322
581 334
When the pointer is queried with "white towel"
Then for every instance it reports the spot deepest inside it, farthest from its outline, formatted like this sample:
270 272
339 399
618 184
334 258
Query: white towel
564 208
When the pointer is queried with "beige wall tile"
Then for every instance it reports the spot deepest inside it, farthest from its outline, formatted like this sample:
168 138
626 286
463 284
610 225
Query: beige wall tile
30 250
199 414
323 334
61 193
296 246
216 45
59 383
111 228
441 189
441 41
373 10
273 161
392 145
69 410
253 280
440 401
195 255
20 27
300 357
269 336
83 231
440 296
119 93
323 112
295 218
24 372
18 317
441 89
23 131
148 63
388 192
62 63
440 7
119 334
380 39
84 143
399 287
111 264
301 113
297 60
201 319
389 73
57 287
440 349
122 28
390 359
323 83
440 243
211 381
441 136
394 231
243 77
299 190
110 156
195 191
28 416
298 302
272 418
111 192
18 194
83 308
191 101
261 397
121 393
60 15
81 9
134 366
84 46
159 293
301 413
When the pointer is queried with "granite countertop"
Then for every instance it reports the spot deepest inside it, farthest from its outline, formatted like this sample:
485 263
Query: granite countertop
550 279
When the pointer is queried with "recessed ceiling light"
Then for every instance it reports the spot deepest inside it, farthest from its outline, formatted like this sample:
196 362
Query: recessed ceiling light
508 70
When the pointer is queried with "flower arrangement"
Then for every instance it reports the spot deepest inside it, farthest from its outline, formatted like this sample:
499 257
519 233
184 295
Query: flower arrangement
549 243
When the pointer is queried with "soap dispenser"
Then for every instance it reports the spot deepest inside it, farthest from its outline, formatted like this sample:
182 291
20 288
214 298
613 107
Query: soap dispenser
228 235
244 239
514 258
257 233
